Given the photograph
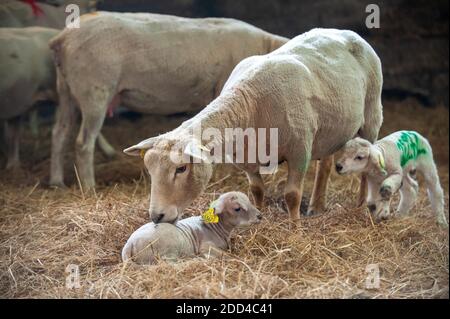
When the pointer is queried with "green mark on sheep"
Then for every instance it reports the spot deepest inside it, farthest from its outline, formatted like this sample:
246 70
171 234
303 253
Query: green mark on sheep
410 146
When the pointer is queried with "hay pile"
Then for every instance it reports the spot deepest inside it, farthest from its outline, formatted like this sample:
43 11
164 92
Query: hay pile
42 231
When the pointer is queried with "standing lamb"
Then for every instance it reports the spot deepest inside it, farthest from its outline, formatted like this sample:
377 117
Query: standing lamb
194 235
320 90
391 164
150 63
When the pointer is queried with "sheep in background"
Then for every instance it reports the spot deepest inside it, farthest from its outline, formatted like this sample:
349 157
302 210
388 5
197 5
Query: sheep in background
17 14
199 235
28 76
391 164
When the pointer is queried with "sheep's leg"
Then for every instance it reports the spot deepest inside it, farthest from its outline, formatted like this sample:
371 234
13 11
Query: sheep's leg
34 122
105 147
362 190
435 192
319 193
12 129
91 125
93 115
294 191
257 188
408 195
66 117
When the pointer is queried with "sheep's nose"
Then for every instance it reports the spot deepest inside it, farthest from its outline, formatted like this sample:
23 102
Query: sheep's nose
372 208
156 218
259 216
338 167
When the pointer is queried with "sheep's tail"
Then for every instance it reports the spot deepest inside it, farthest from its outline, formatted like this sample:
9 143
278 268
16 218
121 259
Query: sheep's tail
56 45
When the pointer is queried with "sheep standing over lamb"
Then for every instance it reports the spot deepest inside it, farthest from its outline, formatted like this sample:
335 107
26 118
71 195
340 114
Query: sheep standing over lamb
319 90
199 235
391 165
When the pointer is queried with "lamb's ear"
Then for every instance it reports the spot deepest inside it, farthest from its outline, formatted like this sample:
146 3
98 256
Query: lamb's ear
199 152
377 160
140 148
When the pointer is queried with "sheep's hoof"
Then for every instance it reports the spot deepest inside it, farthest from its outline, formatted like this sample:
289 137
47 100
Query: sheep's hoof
58 186
386 191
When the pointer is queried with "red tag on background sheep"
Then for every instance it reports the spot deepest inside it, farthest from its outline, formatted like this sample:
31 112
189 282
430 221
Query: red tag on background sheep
34 6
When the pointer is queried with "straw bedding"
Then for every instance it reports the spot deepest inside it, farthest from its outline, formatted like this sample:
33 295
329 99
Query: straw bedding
43 230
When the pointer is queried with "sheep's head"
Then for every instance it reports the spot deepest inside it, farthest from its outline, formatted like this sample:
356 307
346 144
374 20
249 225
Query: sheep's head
235 209
176 180
359 155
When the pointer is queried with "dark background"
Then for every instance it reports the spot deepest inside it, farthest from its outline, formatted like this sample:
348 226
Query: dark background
412 40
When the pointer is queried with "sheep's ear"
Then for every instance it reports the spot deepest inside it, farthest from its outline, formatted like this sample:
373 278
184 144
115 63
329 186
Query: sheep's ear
140 148
195 149
377 160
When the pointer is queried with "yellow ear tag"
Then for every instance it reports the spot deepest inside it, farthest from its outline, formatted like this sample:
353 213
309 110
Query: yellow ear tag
382 164
142 153
209 216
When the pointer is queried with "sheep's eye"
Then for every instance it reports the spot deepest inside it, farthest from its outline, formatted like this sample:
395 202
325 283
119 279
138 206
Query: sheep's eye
180 169
359 158
237 209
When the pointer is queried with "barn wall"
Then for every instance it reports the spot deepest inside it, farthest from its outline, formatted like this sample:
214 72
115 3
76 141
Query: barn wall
412 40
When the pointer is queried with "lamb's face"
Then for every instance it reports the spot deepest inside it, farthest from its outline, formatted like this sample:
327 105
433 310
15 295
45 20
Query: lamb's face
236 209
354 157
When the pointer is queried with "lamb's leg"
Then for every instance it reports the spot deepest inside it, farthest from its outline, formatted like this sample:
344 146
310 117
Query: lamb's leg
362 190
66 118
408 195
257 188
319 194
294 191
105 147
391 185
12 129
435 192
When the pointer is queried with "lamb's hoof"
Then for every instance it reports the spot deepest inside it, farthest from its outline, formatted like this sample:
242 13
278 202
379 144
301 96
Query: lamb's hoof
304 206
311 212
314 211
386 191
442 223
